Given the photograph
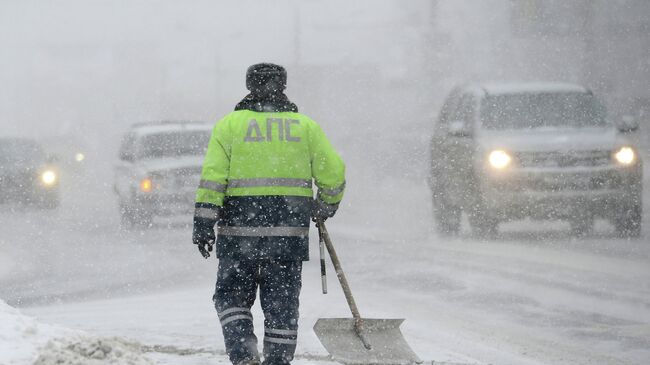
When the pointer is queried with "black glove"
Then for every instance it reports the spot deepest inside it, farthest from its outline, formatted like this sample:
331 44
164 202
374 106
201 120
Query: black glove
203 235
320 210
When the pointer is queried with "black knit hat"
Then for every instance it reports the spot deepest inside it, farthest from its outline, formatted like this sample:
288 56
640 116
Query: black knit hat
266 78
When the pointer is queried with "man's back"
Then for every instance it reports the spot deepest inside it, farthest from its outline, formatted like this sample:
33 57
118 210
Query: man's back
266 161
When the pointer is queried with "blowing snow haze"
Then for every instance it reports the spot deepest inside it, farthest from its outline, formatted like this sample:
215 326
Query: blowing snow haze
88 69
76 75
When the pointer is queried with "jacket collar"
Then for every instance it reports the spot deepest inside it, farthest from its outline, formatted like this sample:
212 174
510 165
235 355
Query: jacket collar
267 103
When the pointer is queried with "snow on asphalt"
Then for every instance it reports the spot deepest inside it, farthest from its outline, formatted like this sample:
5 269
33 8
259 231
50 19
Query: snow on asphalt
23 340
524 298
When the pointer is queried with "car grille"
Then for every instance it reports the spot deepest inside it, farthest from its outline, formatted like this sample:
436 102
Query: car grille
564 159
575 183
187 177
559 181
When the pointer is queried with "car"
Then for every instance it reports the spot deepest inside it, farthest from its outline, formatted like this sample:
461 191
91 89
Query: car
159 169
503 152
27 175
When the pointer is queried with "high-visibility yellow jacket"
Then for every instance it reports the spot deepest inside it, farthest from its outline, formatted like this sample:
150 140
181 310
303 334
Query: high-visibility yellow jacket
258 173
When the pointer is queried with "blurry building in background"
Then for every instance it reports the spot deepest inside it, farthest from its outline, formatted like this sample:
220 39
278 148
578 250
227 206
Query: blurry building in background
610 41
604 45
374 73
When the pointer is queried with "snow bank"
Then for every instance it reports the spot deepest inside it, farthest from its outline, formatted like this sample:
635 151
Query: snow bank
21 336
23 340
91 351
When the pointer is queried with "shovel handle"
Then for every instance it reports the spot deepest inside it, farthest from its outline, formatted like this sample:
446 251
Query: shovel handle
358 322
323 271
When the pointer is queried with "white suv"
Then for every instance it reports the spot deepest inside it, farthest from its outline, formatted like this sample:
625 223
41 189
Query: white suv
542 150
159 169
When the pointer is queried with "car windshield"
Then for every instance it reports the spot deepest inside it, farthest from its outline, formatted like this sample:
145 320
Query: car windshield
542 110
173 144
18 152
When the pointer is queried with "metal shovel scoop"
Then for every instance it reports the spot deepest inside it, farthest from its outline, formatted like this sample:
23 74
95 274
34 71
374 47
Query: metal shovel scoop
360 340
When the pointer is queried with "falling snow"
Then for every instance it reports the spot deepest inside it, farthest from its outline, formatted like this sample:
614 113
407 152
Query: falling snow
555 91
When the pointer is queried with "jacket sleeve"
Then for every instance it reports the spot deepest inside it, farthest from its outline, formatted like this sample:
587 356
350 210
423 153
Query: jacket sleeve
327 167
214 174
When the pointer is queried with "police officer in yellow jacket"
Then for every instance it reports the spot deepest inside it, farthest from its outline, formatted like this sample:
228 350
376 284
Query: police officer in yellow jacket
256 186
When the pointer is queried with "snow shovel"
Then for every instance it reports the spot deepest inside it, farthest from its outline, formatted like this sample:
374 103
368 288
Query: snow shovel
360 340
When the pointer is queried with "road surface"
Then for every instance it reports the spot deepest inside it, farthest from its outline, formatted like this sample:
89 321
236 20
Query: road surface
534 295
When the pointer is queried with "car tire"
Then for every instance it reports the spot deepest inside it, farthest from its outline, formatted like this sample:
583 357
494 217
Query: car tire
581 226
49 201
446 216
484 224
134 217
126 218
628 221
447 220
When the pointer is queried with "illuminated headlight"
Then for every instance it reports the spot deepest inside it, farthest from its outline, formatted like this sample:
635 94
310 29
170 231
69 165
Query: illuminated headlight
48 177
499 159
79 157
146 185
625 155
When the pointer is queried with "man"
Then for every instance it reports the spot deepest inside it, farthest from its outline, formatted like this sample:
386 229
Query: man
256 184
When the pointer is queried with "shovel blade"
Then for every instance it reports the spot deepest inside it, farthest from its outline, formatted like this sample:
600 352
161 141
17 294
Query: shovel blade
341 340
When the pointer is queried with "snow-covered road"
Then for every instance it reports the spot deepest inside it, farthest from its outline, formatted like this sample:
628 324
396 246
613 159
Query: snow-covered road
523 298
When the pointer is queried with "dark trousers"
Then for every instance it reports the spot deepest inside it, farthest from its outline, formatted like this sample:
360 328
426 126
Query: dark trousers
236 289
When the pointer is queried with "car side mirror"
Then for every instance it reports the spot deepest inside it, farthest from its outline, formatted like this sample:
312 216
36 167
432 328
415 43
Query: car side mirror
628 124
459 128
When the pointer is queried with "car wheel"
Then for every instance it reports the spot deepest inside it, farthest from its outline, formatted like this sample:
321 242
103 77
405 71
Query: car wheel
628 221
49 201
484 224
447 220
132 217
446 215
144 219
581 226
126 218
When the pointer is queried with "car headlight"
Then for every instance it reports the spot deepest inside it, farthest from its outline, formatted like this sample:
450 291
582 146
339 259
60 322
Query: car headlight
146 185
625 155
48 177
79 157
499 159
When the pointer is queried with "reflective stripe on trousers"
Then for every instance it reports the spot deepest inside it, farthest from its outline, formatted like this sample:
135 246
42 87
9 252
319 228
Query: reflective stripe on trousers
281 336
235 314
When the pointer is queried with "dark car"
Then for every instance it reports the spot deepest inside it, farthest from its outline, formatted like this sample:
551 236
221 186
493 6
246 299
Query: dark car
25 175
